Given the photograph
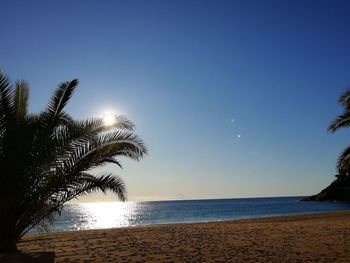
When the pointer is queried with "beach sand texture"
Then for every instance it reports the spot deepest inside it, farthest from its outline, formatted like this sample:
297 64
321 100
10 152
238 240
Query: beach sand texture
301 238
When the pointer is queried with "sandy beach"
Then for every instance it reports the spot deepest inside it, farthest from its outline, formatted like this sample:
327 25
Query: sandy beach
302 238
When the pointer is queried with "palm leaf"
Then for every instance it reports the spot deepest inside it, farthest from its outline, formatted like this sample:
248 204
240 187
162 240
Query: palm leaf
341 121
343 162
59 100
81 131
21 97
87 183
96 152
6 103
344 99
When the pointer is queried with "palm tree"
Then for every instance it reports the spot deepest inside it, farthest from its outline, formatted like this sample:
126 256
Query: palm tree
343 121
46 158
339 189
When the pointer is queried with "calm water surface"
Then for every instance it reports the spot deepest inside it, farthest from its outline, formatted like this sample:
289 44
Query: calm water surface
117 214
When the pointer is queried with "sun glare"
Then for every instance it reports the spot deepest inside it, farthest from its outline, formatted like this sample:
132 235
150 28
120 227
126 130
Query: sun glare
108 118
107 215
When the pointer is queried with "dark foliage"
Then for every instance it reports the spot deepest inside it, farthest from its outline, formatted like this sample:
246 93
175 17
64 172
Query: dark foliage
45 158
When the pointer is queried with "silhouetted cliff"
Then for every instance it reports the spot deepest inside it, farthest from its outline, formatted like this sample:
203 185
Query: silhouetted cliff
338 190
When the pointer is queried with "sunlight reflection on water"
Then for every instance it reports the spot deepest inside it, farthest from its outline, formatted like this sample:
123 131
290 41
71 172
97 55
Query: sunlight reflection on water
101 215
106 215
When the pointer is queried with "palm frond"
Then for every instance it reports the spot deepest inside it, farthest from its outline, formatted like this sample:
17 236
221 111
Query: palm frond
21 98
59 100
6 104
341 121
41 218
76 133
86 183
122 122
343 162
113 160
88 129
96 152
344 99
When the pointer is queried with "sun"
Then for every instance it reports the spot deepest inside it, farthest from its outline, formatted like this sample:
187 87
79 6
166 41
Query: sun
108 118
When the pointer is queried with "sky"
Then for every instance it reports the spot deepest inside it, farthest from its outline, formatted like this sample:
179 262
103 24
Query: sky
233 98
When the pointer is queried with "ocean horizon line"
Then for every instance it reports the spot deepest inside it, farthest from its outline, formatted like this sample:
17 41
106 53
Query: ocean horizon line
190 199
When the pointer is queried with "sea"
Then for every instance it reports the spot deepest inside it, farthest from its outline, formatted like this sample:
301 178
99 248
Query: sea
131 214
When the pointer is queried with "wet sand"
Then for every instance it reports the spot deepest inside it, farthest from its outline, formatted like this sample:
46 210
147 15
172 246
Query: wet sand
301 238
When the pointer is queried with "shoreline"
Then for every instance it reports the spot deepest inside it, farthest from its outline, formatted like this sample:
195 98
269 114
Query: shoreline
315 237
277 217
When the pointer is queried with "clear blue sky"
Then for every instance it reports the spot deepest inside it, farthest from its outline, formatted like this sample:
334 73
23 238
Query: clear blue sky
233 98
